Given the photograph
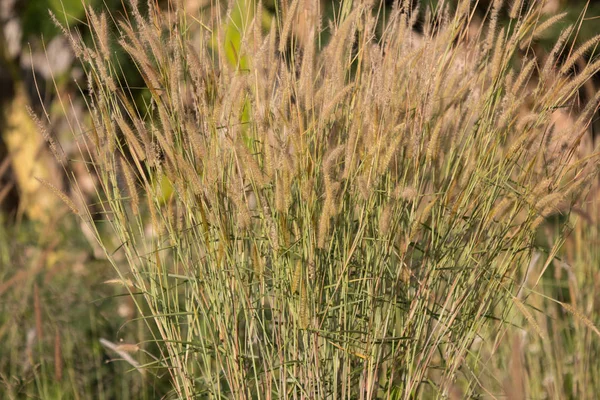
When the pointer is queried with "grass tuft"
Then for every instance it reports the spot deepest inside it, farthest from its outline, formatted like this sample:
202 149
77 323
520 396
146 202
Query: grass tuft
333 213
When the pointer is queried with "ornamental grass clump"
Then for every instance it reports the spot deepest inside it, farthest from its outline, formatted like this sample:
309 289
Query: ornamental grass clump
327 213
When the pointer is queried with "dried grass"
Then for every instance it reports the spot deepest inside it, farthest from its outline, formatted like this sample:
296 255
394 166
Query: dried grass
341 217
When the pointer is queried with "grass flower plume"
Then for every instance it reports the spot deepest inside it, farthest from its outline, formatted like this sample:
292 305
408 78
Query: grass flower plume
327 209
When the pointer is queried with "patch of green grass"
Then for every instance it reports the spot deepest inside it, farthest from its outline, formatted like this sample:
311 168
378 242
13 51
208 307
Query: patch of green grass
55 308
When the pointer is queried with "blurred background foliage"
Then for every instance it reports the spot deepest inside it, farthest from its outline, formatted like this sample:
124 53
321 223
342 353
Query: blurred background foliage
54 304
35 19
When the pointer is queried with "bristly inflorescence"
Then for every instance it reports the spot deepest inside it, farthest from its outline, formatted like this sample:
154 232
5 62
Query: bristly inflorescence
335 189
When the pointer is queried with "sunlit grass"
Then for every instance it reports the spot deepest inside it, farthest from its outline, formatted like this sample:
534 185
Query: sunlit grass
329 220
